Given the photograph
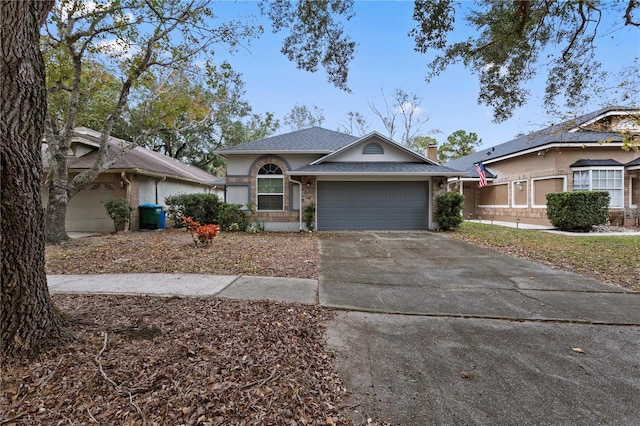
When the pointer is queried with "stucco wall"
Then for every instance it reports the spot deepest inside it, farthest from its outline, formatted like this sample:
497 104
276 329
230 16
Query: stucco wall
391 153
538 175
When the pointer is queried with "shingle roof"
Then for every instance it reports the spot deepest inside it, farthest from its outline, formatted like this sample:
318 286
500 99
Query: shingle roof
596 162
312 140
375 168
635 162
558 133
139 159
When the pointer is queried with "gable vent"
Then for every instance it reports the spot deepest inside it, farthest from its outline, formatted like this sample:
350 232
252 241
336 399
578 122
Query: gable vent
373 148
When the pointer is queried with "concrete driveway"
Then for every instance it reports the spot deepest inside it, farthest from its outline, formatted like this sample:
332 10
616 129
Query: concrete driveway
431 330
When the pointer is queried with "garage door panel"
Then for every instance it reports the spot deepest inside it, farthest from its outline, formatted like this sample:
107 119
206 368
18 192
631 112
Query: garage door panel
372 205
86 212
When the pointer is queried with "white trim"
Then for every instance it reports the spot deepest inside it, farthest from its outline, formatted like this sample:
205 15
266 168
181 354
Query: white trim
496 205
513 193
388 174
582 168
616 112
631 179
377 178
533 188
547 147
299 200
269 176
600 169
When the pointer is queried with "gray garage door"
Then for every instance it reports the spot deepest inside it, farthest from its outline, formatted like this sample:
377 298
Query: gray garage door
372 205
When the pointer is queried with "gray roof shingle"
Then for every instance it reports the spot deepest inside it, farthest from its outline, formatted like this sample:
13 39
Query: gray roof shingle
139 159
558 133
596 162
635 162
312 140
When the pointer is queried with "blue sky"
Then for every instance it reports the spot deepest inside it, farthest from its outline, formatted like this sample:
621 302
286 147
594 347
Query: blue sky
385 60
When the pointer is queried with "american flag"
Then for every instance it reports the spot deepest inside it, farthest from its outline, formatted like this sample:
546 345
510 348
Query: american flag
482 174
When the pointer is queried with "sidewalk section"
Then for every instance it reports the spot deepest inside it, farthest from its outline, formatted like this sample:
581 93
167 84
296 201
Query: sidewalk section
194 285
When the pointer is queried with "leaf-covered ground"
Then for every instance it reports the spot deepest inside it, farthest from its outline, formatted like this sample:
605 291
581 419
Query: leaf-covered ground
181 361
209 361
170 251
175 361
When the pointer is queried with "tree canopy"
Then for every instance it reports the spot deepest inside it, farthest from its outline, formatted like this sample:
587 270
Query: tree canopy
514 40
132 40
302 117
459 144
193 118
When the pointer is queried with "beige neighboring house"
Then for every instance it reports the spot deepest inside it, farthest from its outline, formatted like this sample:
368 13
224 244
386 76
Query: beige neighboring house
141 176
581 154
368 182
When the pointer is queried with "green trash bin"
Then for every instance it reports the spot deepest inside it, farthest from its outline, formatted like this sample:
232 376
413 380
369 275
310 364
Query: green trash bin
151 216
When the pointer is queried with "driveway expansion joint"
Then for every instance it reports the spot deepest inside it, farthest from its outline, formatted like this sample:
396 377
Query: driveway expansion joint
483 317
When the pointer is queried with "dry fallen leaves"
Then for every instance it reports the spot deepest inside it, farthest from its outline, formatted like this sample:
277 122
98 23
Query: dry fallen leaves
271 254
192 361
144 360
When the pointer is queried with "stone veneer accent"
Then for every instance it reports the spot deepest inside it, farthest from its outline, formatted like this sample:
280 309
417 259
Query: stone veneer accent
287 215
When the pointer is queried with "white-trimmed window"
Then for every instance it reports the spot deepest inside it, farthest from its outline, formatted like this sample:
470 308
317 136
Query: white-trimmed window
270 187
600 179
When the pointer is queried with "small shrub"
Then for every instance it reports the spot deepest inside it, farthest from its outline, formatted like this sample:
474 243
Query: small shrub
232 218
203 208
309 216
118 210
449 207
577 210
201 234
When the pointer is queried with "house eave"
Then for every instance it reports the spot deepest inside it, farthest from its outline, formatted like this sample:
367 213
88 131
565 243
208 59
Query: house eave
148 173
550 146
613 112
389 174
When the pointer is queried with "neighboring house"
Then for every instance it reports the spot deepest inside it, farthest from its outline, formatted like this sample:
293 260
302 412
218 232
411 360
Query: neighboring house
365 182
141 176
581 154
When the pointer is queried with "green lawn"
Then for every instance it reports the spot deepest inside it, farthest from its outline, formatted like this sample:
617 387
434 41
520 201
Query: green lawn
612 259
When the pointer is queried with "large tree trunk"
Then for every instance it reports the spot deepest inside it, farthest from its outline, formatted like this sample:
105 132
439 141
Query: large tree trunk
28 320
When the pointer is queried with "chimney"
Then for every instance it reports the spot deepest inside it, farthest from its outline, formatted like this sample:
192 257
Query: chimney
431 152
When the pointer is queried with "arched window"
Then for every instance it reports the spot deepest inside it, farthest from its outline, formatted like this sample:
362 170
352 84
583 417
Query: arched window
372 148
270 188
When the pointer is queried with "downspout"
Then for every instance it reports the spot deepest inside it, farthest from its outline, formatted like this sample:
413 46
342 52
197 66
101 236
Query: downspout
299 201
123 176
157 182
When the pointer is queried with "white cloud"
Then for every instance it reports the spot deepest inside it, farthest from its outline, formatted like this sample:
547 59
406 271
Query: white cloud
503 69
409 108
116 48
82 8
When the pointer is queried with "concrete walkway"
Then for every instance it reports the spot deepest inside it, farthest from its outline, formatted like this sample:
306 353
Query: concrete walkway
196 285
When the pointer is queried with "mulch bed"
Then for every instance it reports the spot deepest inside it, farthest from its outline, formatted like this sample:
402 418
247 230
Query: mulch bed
270 254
